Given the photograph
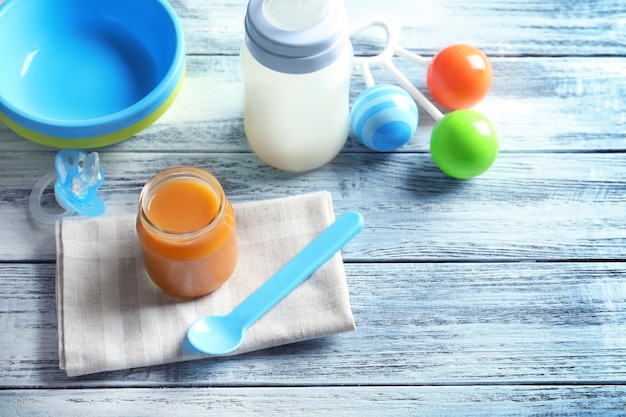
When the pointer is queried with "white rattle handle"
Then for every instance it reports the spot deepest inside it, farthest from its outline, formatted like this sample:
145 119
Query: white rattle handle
391 26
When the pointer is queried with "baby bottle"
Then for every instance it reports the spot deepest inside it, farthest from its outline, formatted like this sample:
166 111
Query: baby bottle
296 64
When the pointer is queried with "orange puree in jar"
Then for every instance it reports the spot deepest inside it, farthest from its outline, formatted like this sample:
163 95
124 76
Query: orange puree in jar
186 227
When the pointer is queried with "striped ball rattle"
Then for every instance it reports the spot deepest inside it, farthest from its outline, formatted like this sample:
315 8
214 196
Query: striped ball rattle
463 143
384 117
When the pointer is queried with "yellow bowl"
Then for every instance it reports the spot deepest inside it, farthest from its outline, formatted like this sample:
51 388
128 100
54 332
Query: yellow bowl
94 141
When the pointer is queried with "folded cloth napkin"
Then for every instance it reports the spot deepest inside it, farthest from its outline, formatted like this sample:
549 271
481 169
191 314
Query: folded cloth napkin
111 316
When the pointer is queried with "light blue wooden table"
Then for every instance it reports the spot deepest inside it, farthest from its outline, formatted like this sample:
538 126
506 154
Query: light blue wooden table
502 295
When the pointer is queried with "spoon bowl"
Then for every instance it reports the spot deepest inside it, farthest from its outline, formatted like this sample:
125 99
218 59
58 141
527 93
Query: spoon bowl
216 335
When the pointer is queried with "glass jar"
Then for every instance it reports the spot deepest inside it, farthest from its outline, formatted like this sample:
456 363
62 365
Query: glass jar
186 228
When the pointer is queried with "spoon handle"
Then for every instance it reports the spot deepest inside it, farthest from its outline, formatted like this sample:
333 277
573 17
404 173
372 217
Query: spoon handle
299 268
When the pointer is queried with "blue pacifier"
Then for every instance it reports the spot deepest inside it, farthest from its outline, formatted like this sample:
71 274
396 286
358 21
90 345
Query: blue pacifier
77 177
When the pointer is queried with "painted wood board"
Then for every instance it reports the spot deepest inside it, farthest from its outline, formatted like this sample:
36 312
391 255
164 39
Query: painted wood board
538 104
514 27
530 206
506 294
502 401
417 324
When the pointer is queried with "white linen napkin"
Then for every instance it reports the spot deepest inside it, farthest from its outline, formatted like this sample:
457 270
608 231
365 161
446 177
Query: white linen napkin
111 316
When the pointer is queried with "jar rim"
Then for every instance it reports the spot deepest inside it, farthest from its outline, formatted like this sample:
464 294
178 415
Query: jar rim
171 174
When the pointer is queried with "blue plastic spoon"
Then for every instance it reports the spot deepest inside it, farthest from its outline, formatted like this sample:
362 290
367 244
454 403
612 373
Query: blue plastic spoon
218 335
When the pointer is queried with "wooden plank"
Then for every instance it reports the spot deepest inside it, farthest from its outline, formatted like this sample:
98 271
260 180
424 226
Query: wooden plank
501 401
504 295
526 207
511 27
547 104
417 324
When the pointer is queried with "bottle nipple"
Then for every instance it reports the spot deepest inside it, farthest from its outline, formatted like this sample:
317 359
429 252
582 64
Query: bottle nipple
295 15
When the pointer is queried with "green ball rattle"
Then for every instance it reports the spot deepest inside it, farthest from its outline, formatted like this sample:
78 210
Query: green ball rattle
464 144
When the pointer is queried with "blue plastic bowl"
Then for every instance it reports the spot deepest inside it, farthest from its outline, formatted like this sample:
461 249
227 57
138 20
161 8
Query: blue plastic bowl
79 73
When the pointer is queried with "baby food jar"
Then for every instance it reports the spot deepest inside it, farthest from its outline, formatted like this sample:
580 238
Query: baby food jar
186 228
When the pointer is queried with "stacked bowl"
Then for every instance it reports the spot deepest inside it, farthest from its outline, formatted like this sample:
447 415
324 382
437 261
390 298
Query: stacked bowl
85 74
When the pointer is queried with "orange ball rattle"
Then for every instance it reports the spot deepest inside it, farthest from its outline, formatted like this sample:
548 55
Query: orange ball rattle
459 76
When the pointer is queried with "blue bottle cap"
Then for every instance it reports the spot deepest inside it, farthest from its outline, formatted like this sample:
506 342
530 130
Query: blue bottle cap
296 51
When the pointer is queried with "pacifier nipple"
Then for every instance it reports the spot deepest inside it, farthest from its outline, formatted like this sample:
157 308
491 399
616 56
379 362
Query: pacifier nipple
77 177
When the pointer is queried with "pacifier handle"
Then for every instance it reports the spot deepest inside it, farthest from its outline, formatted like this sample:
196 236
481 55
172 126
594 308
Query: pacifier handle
34 201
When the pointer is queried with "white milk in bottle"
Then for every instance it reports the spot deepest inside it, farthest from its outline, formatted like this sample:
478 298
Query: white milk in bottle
296 63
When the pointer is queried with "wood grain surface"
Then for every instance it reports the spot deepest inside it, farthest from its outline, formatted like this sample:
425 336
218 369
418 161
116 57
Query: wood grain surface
503 295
